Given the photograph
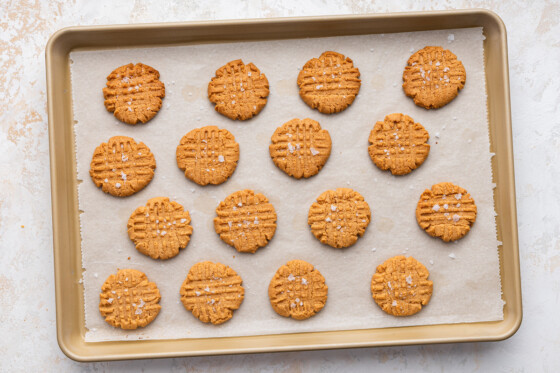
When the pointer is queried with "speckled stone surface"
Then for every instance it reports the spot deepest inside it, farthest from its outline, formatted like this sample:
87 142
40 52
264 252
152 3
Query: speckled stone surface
27 326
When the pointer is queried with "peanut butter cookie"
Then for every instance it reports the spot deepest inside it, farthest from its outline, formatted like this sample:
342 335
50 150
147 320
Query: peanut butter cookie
446 211
339 217
329 83
128 300
433 77
238 90
160 228
212 291
300 147
208 155
133 93
297 290
400 286
121 167
245 220
398 144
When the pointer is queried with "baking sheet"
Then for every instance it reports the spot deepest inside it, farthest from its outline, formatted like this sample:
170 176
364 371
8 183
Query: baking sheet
466 288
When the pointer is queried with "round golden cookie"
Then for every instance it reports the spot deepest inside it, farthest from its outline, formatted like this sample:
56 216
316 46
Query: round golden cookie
245 220
128 300
160 228
121 167
133 93
300 147
398 144
329 83
212 291
297 290
208 155
433 77
400 286
446 211
238 90
339 217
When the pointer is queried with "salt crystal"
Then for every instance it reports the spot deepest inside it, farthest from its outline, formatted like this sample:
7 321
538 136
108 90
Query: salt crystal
123 176
328 220
110 300
106 180
319 86
446 206
458 196
291 277
118 185
207 289
291 148
436 207
314 151
221 158
333 207
456 218
183 220
394 304
303 281
409 280
197 293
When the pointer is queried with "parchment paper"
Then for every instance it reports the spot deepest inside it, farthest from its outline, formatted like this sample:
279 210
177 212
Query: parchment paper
465 273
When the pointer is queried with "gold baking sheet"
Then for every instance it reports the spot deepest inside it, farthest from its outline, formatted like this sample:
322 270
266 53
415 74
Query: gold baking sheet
70 321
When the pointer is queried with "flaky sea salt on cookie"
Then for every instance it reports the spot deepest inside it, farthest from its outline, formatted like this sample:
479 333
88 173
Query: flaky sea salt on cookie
134 93
446 211
433 77
122 167
128 300
208 155
212 291
329 83
300 147
297 290
400 286
398 144
339 217
245 220
239 91
160 229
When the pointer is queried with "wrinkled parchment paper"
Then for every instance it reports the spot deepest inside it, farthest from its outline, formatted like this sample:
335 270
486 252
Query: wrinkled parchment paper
465 274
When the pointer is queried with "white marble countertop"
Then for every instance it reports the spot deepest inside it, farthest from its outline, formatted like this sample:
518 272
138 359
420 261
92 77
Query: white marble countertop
27 327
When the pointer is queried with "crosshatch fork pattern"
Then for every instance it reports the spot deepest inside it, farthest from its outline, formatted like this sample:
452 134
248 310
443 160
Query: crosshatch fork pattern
329 83
238 90
212 291
398 144
245 220
300 147
208 155
122 167
128 300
